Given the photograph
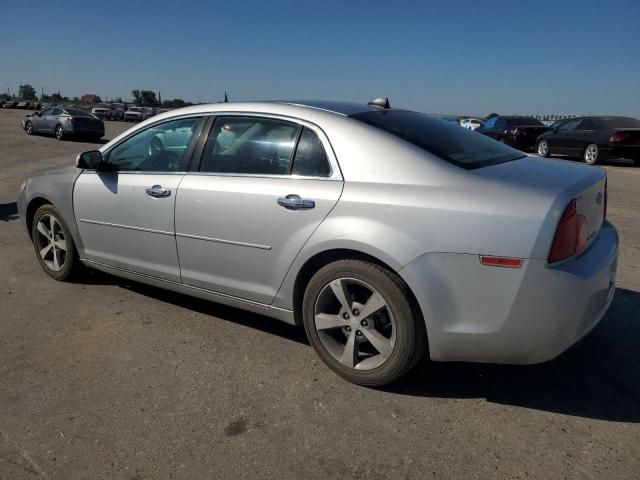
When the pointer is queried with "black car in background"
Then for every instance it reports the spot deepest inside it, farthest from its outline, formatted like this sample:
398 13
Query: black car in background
518 132
64 122
593 138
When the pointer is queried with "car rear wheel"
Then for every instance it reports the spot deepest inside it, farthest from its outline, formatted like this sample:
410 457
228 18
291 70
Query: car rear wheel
363 323
28 127
591 154
59 132
53 243
543 148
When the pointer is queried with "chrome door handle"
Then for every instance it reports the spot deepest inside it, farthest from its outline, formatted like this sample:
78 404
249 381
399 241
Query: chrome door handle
157 191
294 202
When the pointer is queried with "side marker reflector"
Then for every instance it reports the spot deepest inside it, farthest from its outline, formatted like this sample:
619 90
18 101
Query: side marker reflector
507 262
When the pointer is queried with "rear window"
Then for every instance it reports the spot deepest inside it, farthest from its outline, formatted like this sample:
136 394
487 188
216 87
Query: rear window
524 121
460 146
621 122
78 113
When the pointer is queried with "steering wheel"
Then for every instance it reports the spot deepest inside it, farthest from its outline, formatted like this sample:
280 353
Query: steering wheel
159 158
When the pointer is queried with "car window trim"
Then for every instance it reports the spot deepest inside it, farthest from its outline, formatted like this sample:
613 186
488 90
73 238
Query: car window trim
335 172
190 148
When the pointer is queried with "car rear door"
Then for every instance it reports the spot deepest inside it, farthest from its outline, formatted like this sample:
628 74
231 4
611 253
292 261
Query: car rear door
584 134
262 187
125 213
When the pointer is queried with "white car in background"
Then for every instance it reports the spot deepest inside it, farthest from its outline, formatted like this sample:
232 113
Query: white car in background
471 123
101 111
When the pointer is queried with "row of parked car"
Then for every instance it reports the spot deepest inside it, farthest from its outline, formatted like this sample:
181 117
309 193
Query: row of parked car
121 111
20 105
591 138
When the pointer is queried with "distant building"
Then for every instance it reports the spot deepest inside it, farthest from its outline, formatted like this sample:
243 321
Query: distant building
90 98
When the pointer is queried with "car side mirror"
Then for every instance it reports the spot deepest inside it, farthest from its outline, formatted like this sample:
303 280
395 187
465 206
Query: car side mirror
91 160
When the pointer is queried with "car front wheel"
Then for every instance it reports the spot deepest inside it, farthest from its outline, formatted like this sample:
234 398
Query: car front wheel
59 132
361 320
28 127
543 148
53 243
591 154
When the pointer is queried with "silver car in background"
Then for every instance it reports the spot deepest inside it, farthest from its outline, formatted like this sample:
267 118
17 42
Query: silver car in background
64 122
387 233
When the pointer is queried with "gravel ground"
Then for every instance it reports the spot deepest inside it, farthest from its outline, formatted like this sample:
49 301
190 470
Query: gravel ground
116 380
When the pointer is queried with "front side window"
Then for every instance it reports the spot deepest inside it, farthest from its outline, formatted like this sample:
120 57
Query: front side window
569 125
459 146
47 111
56 112
310 159
248 145
160 148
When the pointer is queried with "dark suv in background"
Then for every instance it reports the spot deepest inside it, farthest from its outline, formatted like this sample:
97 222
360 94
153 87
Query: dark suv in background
517 132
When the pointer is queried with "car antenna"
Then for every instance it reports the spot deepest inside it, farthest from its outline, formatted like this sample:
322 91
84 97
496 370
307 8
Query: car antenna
382 102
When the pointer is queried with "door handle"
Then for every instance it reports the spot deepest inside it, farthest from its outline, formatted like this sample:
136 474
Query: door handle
294 202
157 191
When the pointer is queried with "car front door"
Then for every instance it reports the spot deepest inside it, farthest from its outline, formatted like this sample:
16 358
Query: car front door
560 141
125 210
262 187
38 121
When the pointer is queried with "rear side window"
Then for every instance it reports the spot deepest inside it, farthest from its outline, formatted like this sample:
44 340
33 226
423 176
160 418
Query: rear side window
248 145
310 159
587 124
460 146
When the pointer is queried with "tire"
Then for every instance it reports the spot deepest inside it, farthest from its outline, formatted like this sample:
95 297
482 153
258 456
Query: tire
59 132
543 149
365 348
28 127
56 262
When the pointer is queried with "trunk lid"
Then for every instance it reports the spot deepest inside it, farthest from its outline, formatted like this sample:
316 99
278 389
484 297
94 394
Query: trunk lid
560 181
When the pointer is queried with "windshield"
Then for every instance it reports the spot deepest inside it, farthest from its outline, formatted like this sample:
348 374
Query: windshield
621 122
460 146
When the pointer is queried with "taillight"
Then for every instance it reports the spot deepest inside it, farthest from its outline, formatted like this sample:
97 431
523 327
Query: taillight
620 137
571 234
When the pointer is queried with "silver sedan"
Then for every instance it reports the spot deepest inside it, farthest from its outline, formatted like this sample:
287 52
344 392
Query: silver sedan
387 233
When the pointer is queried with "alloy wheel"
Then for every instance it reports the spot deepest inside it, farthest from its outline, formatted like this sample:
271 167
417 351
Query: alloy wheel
543 148
591 154
355 324
29 128
51 242
59 132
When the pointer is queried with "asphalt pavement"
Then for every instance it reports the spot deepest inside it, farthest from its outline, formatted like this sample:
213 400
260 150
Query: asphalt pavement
110 379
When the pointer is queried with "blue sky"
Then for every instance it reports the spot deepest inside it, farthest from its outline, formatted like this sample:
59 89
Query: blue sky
456 56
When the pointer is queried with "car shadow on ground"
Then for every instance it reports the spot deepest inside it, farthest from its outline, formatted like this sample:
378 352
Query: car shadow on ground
212 309
599 378
8 211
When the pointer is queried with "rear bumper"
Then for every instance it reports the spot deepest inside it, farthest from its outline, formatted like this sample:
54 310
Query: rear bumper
623 151
520 316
